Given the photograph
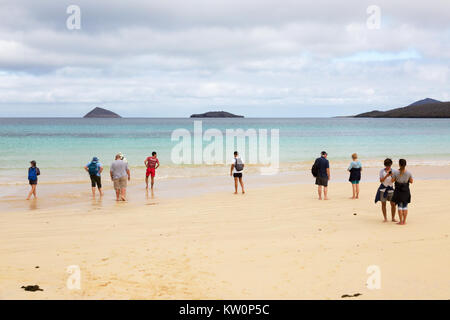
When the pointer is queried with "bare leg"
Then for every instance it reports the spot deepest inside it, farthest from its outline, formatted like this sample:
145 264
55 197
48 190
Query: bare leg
146 182
117 194
123 194
393 211
383 208
354 191
100 191
325 193
400 215
32 191
93 192
357 191
319 191
242 185
235 185
153 182
405 213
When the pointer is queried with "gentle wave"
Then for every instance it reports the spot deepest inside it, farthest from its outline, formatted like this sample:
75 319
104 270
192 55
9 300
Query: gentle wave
76 175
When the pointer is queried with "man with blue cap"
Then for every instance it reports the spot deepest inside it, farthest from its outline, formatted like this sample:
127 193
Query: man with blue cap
95 168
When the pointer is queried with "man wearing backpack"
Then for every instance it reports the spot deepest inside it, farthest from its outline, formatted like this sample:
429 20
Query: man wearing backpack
237 166
33 173
95 168
321 170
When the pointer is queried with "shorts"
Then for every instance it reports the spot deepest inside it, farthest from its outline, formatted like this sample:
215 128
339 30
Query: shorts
32 182
96 181
322 181
402 206
237 174
150 172
120 183
388 198
355 182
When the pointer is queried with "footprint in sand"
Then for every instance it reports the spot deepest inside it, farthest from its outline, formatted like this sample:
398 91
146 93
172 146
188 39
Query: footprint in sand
104 284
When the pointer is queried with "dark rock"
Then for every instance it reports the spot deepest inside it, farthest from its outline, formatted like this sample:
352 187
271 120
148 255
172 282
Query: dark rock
351 295
32 288
216 114
101 113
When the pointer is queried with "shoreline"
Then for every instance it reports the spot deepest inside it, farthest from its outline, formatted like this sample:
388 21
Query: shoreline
63 194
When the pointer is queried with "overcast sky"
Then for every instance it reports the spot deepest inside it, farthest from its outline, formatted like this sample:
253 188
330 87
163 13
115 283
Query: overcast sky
259 58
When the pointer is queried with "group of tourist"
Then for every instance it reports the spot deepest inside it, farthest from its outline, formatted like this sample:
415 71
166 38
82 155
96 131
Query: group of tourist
394 185
120 174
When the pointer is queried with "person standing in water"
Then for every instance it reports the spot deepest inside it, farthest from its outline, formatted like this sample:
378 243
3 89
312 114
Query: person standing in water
33 173
152 163
120 174
355 169
237 166
95 168
402 194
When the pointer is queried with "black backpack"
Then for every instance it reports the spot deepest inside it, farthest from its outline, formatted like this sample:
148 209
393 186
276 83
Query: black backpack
238 164
315 168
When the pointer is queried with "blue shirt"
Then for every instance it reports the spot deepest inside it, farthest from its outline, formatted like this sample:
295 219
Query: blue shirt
355 164
99 165
323 165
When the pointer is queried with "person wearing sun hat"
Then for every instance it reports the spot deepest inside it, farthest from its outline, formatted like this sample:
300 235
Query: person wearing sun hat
95 168
122 157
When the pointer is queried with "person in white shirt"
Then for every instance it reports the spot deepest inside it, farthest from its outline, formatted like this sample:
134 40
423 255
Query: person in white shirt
386 190
237 166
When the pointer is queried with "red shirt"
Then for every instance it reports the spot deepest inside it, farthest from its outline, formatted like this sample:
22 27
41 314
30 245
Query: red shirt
151 162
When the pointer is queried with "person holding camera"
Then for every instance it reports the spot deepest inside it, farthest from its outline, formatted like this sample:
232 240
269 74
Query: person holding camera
386 190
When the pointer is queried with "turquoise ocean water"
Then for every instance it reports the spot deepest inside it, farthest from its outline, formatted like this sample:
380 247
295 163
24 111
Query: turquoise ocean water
62 146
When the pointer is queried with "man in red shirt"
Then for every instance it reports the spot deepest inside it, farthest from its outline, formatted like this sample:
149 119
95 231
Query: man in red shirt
152 163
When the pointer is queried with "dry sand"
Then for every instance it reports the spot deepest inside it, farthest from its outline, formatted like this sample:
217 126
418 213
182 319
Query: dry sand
271 243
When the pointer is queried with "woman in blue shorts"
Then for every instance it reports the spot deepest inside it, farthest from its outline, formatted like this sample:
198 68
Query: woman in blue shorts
33 173
355 169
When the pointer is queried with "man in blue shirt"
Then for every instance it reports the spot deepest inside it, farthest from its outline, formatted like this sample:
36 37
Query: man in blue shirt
95 168
323 175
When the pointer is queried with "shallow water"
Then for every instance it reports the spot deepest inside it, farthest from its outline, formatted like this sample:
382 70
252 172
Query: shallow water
62 146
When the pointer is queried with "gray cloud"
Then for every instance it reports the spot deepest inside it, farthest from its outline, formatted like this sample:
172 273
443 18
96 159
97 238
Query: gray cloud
283 55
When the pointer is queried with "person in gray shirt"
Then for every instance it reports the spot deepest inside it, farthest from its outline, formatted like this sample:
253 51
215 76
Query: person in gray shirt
402 195
120 174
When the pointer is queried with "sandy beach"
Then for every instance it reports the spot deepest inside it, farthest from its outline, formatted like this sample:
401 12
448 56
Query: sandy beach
274 242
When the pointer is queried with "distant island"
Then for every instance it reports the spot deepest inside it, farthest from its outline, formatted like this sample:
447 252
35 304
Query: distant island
216 114
426 108
101 113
